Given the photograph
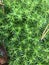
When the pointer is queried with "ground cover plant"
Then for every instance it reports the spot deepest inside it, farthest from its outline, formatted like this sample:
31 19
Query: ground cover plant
21 27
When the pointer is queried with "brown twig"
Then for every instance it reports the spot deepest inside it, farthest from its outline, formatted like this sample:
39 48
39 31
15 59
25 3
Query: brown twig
3 58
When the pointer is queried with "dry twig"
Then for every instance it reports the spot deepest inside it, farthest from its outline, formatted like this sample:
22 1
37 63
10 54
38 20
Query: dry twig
45 32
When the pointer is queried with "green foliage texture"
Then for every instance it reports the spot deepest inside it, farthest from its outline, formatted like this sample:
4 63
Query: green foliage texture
21 27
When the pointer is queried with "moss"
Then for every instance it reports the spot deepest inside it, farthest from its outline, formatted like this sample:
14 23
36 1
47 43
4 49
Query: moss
21 28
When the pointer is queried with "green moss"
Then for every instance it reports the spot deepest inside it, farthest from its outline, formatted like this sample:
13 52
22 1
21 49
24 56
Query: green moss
21 28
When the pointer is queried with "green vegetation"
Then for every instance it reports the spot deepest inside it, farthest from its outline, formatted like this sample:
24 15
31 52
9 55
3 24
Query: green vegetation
21 27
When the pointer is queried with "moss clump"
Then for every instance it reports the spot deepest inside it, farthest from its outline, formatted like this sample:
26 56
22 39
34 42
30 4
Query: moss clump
21 28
